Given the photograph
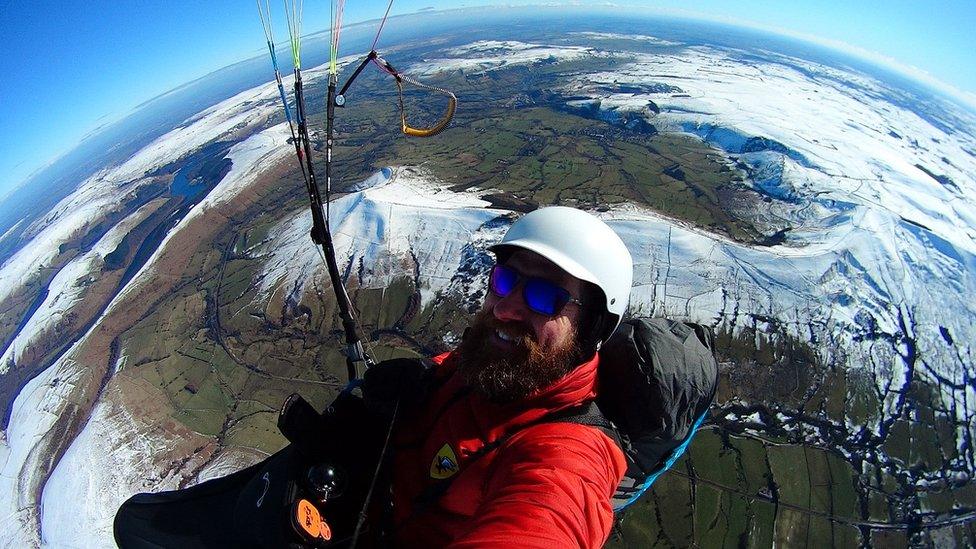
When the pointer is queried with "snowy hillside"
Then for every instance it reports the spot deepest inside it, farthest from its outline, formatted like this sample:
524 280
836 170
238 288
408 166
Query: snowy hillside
877 202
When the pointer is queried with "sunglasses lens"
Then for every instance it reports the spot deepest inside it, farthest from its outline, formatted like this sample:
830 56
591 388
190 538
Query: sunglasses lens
544 297
502 280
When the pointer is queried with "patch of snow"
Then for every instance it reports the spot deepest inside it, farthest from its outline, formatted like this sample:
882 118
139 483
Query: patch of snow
618 36
407 218
842 125
10 231
490 55
88 496
35 410
249 108
227 462
69 220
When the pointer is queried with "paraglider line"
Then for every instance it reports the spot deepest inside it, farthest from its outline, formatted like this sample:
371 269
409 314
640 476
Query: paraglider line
382 23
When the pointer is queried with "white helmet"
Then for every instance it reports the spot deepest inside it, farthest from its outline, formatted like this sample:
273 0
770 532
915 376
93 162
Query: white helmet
583 246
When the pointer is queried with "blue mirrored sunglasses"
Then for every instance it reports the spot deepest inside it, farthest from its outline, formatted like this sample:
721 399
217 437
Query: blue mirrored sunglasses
541 295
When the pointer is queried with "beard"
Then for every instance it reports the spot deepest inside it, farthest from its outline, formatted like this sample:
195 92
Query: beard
507 376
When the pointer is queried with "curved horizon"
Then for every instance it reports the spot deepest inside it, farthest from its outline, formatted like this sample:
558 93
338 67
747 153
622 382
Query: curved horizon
19 174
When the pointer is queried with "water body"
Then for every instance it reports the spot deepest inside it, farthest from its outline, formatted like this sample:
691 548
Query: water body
194 180
201 172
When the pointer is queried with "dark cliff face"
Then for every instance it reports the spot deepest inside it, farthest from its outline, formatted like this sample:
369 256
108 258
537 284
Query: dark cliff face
635 121
943 180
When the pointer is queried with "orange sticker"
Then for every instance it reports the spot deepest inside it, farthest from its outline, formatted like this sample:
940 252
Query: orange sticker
309 518
325 531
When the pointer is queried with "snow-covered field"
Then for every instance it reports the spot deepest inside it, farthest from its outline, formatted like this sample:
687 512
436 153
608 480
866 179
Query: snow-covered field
876 245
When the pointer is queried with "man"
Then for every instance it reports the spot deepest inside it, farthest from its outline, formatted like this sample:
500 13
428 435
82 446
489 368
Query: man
492 446
480 462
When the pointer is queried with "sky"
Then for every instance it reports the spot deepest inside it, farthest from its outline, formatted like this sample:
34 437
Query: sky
68 67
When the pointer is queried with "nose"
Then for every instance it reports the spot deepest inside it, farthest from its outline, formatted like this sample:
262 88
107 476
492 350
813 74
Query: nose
511 307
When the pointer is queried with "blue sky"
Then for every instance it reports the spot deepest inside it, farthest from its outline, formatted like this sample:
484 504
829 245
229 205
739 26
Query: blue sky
68 67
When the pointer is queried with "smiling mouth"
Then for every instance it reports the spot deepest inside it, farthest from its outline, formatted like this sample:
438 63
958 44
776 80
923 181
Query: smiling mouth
506 340
508 336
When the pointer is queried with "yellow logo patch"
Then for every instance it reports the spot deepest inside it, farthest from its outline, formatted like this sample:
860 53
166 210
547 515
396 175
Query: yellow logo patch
445 463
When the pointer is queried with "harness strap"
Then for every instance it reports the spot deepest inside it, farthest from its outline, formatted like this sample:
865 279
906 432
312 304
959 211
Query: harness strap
584 414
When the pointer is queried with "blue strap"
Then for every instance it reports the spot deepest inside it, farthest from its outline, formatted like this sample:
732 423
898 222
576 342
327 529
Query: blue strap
675 454
281 90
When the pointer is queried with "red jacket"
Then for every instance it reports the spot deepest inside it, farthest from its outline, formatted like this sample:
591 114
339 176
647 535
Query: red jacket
548 485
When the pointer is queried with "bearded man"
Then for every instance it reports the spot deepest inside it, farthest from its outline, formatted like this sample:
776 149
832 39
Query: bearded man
479 461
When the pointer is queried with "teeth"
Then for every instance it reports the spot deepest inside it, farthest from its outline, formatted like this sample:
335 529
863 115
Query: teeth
503 336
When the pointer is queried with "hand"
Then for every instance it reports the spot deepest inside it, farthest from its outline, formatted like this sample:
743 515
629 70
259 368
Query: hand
399 379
